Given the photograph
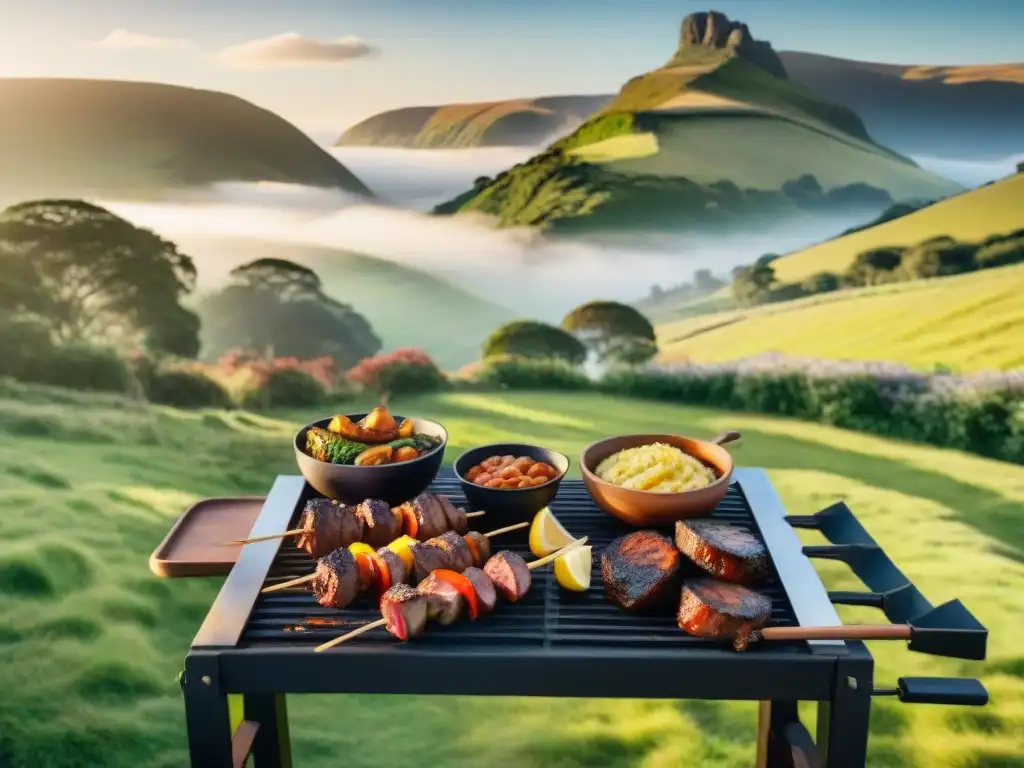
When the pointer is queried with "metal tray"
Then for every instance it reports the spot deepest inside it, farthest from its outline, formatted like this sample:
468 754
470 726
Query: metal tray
195 544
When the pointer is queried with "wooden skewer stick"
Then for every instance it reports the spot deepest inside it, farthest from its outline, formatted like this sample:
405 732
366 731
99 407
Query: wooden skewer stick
297 531
381 622
306 579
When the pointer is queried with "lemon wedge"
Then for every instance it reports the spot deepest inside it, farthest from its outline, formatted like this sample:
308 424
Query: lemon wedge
547 535
572 570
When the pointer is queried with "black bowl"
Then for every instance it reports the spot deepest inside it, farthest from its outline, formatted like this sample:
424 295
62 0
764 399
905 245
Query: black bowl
393 483
505 506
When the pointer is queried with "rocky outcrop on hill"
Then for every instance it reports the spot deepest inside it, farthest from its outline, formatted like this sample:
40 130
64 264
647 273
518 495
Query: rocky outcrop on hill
714 31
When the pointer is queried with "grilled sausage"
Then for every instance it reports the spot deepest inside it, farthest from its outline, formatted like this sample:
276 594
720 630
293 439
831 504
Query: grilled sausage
380 525
405 610
395 566
641 571
444 603
456 516
427 558
336 579
458 550
483 547
510 575
715 609
726 551
486 596
327 525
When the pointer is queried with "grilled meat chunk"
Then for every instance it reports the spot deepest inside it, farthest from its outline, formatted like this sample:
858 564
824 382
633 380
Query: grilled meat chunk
444 603
458 550
327 525
426 558
405 610
336 579
486 596
715 609
641 570
380 525
430 516
726 551
480 545
456 516
509 574
395 566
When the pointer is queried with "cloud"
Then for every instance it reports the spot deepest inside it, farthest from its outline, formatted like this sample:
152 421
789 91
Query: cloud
122 39
294 50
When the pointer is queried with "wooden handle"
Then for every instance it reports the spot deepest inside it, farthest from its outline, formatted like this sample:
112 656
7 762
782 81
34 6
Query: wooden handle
850 632
729 436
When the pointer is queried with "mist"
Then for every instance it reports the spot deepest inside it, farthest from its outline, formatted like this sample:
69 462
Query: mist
970 173
520 269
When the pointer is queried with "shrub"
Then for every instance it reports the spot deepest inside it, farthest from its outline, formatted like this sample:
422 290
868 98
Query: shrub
185 388
533 339
85 366
26 348
509 372
286 388
404 371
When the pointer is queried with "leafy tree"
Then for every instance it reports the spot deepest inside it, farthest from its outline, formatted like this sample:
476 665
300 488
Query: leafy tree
875 266
277 305
753 284
631 350
822 282
95 277
938 257
600 324
533 339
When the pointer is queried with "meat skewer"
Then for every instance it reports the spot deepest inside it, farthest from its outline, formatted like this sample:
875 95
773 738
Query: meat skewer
406 610
339 578
326 525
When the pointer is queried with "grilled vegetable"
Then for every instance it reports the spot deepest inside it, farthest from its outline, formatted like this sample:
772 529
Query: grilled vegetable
375 456
379 420
463 586
406 429
406 453
348 429
326 445
426 442
400 547
403 442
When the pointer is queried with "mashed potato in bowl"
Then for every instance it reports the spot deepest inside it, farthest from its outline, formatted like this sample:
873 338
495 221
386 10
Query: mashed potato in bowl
658 467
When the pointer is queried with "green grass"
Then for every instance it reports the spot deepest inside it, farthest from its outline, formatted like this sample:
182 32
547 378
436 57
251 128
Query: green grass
971 216
88 137
970 322
90 641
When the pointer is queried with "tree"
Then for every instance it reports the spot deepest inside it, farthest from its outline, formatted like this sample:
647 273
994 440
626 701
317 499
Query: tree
753 285
95 277
875 266
705 282
935 258
821 282
631 350
280 306
533 339
599 324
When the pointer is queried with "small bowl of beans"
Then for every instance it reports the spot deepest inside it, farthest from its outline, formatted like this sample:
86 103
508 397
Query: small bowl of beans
510 481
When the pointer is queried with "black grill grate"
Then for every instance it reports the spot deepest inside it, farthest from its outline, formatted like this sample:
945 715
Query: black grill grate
548 617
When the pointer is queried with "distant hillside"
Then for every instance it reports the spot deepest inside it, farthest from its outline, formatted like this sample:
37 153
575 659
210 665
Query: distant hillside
513 122
971 322
406 307
716 134
101 137
971 216
959 112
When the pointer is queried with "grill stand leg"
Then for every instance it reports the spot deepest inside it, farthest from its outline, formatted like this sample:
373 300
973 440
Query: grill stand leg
773 748
206 714
272 747
843 722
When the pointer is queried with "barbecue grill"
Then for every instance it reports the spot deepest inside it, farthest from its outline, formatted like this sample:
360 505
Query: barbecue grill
253 648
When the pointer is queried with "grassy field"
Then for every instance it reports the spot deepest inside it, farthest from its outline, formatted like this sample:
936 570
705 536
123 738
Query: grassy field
90 641
971 322
971 216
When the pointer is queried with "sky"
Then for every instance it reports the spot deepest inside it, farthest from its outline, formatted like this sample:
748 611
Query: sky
326 64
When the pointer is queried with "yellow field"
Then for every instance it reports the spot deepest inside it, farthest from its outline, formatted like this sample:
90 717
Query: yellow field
632 145
970 322
971 216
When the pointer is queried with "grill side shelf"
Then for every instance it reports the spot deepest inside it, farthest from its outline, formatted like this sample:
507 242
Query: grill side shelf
796 573
946 630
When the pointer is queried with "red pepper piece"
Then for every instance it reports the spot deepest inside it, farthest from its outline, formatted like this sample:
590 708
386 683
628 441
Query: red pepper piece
465 588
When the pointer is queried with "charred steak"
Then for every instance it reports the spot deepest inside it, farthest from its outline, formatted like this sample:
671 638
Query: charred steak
641 571
510 575
715 609
726 551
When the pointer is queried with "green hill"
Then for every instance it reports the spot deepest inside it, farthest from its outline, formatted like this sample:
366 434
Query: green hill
512 122
971 216
91 641
407 307
971 322
85 138
960 112
719 132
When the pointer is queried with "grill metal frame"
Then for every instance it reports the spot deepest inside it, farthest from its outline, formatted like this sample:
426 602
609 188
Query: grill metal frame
240 650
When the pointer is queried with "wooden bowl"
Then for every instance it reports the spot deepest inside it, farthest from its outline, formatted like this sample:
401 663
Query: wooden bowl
645 509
